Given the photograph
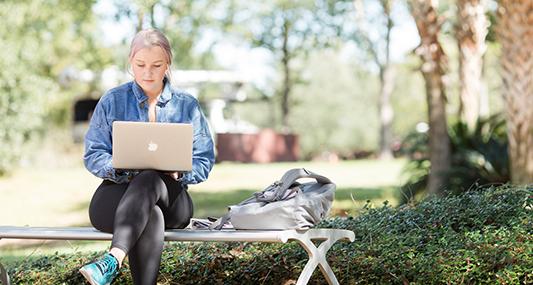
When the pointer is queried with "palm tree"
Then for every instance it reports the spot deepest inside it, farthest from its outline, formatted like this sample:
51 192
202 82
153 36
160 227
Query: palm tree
433 69
471 30
515 32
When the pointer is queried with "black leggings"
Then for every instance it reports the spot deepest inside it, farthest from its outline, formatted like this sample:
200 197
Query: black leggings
137 214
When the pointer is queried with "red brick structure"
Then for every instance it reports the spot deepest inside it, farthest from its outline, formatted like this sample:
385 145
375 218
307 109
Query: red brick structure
265 146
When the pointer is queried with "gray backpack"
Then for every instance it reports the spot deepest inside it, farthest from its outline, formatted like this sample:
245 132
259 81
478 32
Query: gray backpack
286 204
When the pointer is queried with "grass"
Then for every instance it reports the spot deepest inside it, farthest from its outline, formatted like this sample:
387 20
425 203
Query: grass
59 196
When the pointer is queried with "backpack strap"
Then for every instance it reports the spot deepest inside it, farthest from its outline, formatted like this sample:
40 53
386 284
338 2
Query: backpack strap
276 191
220 222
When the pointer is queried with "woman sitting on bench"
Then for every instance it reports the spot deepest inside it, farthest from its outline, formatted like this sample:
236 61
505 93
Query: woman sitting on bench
137 206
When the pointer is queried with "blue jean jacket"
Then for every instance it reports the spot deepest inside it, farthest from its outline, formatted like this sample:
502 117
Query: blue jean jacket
128 102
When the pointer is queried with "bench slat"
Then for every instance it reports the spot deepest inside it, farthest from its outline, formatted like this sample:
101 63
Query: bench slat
89 233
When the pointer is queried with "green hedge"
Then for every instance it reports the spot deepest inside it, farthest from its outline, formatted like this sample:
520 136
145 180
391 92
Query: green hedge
480 237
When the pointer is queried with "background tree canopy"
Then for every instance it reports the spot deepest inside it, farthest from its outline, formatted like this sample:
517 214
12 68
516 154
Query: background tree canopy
39 40
315 65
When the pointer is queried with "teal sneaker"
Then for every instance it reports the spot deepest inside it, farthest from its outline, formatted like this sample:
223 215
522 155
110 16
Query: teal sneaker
101 271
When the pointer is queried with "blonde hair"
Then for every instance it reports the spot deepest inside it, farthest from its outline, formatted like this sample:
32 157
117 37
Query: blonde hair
150 38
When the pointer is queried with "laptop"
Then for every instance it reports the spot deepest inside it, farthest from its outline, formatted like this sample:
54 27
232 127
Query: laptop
159 146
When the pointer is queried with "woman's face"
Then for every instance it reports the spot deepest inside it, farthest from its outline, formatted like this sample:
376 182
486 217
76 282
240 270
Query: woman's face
149 66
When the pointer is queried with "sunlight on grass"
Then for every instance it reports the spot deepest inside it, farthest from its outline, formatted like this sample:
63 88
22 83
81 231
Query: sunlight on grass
357 173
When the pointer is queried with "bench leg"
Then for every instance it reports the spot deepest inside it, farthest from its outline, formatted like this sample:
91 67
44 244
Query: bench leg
317 257
4 278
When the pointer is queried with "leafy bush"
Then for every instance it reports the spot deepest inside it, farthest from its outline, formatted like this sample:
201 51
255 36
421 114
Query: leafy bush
37 45
479 237
479 157
21 106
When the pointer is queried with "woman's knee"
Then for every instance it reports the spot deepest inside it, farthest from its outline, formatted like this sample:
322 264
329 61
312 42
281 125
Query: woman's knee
151 180
156 222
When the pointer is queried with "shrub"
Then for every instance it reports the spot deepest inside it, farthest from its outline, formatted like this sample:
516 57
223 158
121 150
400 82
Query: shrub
479 157
21 106
479 237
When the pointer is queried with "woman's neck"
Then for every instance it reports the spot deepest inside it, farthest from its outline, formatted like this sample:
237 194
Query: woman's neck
153 96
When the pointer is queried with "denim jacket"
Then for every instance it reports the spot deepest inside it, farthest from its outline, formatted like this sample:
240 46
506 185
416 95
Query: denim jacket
128 102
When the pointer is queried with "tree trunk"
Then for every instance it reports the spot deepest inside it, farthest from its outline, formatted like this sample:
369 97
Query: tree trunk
152 16
433 69
140 20
515 32
286 90
471 30
386 74
386 113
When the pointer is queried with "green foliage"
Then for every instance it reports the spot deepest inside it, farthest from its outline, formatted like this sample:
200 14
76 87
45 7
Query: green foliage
335 111
479 157
183 22
267 26
23 86
334 108
288 31
21 108
39 40
408 97
478 237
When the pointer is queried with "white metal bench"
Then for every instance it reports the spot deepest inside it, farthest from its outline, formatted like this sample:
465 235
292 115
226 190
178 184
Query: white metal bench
317 255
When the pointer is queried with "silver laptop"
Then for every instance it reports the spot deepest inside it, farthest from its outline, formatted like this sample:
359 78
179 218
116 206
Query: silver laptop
160 146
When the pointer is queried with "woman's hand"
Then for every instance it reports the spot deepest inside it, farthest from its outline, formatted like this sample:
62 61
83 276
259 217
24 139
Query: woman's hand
175 175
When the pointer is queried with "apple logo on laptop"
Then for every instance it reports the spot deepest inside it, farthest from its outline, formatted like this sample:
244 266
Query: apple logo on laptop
152 146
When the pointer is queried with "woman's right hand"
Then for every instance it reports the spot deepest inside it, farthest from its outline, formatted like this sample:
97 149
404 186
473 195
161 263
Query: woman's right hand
175 175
